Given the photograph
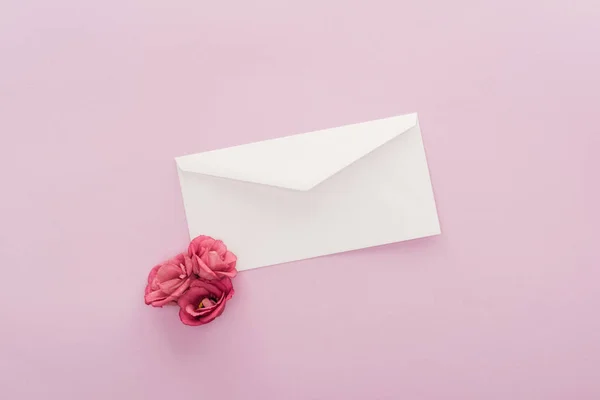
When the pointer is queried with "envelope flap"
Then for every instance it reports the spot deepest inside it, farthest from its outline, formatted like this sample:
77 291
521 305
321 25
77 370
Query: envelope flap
298 162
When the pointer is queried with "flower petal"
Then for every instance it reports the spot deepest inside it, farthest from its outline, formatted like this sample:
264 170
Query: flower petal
216 287
168 272
219 247
213 260
199 245
154 296
192 296
190 309
188 319
152 274
158 299
223 285
170 286
189 265
203 270
216 312
207 303
198 312
229 274
160 303
181 289
230 259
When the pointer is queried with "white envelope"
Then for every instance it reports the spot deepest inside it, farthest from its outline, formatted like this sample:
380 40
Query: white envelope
312 194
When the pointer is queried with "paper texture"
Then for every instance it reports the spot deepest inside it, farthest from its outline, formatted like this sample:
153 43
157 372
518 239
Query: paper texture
312 194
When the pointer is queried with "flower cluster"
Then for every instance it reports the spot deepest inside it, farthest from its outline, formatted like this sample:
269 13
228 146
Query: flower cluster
199 281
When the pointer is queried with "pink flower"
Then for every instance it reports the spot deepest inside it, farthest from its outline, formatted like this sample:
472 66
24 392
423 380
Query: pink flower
204 301
169 280
211 258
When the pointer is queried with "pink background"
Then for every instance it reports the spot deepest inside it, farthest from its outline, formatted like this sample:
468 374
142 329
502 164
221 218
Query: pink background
96 98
